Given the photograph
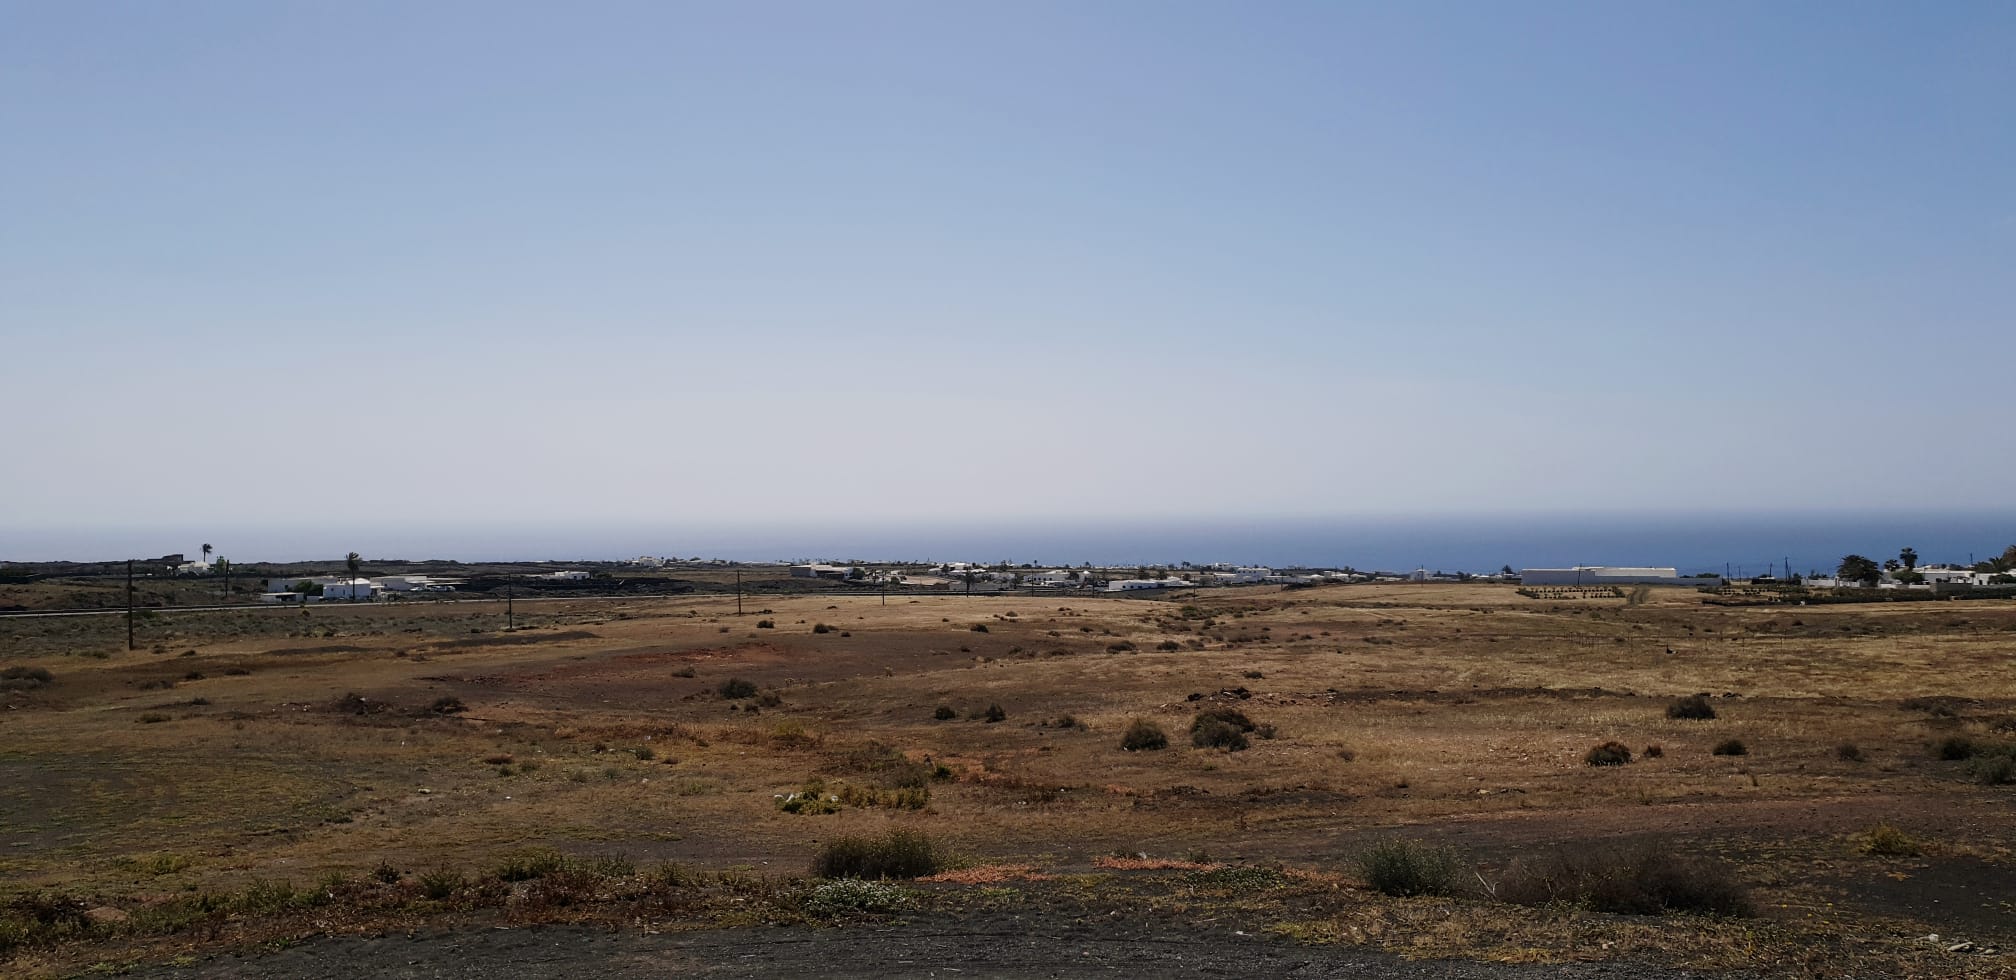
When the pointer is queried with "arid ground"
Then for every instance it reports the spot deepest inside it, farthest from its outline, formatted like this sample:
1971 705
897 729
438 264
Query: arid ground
260 778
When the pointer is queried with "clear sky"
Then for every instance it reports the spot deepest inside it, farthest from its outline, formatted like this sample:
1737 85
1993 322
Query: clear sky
470 262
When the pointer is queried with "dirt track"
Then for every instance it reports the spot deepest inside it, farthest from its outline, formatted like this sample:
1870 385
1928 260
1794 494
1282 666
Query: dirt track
1007 947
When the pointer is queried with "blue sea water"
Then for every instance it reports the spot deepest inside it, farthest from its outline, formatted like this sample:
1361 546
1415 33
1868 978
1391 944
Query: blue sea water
1745 544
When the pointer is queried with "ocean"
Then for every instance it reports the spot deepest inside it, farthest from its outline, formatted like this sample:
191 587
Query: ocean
1745 544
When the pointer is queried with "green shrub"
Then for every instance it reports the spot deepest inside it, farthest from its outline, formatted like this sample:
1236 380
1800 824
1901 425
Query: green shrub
1608 754
1694 707
1641 881
736 689
1143 735
845 897
1993 770
441 884
1731 746
896 854
1407 868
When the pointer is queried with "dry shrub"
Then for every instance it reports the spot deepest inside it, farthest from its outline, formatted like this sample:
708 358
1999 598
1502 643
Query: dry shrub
1221 728
1143 735
896 854
736 689
1694 707
1886 840
1407 868
1639 881
1608 754
1730 746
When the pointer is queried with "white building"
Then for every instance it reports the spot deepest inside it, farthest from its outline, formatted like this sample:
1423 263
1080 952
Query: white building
1056 578
349 590
1138 584
567 576
1608 575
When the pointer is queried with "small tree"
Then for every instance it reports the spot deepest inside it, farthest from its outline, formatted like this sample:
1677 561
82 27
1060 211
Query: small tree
1909 557
206 554
1857 568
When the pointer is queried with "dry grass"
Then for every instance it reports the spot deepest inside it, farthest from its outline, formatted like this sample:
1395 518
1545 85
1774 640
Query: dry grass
1468 721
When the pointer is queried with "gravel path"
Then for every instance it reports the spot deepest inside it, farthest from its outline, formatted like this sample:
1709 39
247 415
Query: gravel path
972 949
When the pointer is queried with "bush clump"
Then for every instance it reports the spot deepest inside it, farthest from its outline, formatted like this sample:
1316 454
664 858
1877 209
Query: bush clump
979 627
821 628
1608 754
944 712
766 624
25 678
1221 728
1643 881
1849 752
1955 748
896 854
1886 840
736 689
1730 746
994 714
1993 770
1143 735
1693 707
1407 868
846 897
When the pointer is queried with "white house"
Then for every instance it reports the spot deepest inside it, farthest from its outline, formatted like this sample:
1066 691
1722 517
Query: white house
349 590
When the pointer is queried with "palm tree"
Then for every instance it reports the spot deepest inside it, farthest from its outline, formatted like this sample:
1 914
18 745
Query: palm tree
1909 557
353 561
206 554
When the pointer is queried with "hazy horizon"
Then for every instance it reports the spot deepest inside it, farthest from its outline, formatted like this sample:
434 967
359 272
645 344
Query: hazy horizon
1475 543
889 262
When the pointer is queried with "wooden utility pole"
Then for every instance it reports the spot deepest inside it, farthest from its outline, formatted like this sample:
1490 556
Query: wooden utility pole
738 593
510 624
129 603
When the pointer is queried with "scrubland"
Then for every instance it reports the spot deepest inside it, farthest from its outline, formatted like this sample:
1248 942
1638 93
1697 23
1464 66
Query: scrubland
256 775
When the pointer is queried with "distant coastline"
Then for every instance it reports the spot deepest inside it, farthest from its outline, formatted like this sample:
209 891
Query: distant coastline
1743 544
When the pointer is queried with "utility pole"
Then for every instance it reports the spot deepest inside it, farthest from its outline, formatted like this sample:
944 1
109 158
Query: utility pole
738 593
129 604
510 623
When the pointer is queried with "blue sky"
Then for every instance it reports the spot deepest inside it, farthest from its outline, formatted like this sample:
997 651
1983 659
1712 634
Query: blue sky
749 262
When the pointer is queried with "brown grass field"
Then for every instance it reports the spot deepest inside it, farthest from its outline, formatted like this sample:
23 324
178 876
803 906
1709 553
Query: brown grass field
240 750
